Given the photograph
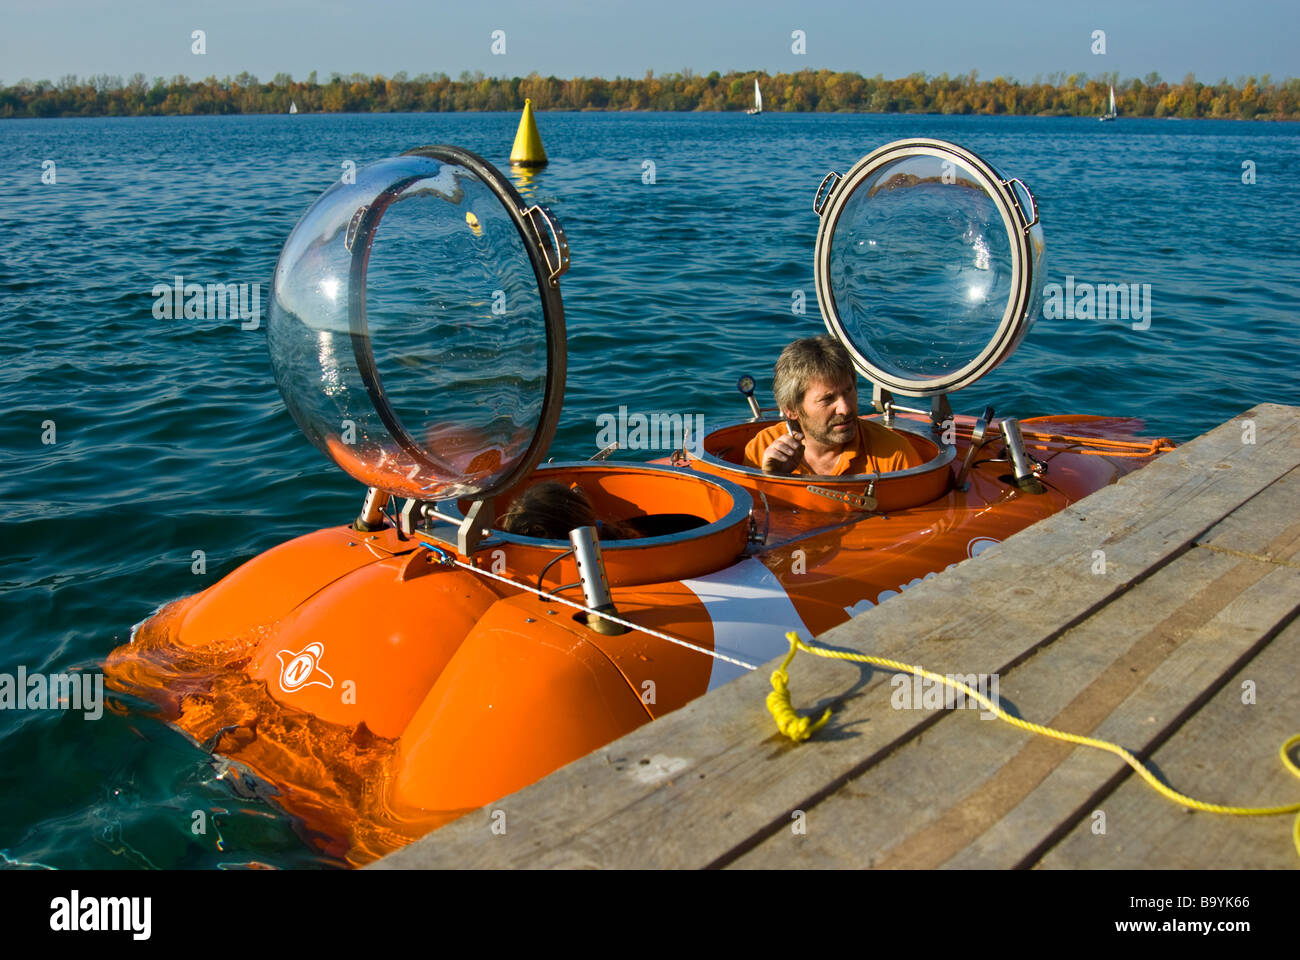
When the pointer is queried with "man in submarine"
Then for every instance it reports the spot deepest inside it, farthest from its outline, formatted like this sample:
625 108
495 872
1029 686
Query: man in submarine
816 388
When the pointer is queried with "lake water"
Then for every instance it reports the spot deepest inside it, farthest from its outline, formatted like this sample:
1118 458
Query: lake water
172 437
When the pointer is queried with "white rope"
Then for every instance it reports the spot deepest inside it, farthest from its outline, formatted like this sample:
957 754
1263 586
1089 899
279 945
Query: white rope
619 620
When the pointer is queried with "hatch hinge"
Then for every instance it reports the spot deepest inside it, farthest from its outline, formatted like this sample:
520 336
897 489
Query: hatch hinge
470 532
476 527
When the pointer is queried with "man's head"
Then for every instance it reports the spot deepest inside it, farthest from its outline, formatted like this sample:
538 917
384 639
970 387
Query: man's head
816 385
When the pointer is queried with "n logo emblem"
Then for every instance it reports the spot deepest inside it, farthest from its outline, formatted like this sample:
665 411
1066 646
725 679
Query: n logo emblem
301 669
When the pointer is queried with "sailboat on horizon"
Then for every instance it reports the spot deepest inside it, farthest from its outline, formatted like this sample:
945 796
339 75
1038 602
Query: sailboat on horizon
293 106
758 100
1112 113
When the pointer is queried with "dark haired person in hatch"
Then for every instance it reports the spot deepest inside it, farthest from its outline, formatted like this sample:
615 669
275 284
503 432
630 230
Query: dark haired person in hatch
549 510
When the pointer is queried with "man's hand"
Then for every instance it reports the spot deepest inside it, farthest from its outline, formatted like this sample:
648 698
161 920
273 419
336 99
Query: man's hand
784 454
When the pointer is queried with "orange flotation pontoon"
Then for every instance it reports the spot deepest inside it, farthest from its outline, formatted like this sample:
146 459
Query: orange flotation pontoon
388 675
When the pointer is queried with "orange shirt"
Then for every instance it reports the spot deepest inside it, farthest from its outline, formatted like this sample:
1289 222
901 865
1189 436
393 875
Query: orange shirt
875 449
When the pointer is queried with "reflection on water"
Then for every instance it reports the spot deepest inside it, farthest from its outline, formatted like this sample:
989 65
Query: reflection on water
525 180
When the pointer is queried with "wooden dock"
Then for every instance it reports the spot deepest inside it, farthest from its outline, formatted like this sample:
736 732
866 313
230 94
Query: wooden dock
1183 646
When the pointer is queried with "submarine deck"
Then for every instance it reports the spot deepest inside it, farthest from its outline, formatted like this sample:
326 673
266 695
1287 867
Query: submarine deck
1180 646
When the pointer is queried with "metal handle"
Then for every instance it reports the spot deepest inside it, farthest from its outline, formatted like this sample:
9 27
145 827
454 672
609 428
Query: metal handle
354 224
746 387
819 202
595 584
558 241
976 441
372 510
1032 200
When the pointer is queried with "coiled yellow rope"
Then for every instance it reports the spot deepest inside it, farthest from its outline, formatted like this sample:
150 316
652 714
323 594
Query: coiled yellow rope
799 728
790 723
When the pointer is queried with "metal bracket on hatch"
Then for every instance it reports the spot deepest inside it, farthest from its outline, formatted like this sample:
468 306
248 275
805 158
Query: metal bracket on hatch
863 501
408 518
940 412
470 532
883 401
758 540
476 527
1033 200
354 225
550 235
828 184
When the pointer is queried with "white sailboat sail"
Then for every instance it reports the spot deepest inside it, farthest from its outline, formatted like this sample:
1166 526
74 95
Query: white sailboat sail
1110 114
758 97
293 106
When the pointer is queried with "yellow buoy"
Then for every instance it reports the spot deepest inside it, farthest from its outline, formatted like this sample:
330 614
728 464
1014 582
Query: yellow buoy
527 151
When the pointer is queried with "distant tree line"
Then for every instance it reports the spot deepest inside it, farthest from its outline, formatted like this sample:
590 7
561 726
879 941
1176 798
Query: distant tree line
805 91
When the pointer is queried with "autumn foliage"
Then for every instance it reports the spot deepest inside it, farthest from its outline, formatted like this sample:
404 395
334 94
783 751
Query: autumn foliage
804 91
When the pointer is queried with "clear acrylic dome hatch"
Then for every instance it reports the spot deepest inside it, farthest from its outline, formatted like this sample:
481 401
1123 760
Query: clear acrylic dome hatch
928 267
416 327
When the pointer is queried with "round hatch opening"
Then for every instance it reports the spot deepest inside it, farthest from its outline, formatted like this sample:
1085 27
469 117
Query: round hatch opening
724 451
673 524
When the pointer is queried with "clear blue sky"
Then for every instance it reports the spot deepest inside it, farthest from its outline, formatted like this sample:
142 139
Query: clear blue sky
45 39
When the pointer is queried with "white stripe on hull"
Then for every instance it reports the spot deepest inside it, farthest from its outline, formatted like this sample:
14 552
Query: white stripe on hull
751 613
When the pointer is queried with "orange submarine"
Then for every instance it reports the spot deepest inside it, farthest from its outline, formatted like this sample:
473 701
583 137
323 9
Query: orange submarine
389 674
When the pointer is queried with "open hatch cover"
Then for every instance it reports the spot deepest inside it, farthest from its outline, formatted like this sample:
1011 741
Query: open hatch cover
416 327
929 270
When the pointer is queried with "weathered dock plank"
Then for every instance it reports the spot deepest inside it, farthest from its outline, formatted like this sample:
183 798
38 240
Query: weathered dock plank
1227 753
1267 527
983 773
1263 598
712 781
1149 716
984 794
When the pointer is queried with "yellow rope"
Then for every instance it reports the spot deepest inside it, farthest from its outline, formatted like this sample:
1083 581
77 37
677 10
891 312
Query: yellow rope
801 728
778 704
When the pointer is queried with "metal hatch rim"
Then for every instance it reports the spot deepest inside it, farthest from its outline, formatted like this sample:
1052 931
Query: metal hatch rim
947 453
741 507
